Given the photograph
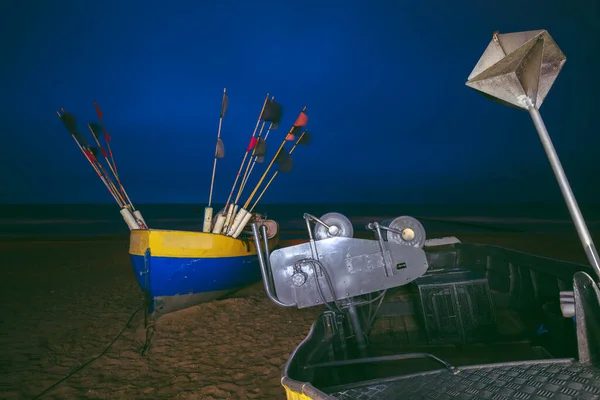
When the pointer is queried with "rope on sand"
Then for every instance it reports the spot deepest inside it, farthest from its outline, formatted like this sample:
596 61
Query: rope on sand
95 358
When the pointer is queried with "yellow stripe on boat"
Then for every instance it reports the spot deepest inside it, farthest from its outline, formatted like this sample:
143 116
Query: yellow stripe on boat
185 244
292 395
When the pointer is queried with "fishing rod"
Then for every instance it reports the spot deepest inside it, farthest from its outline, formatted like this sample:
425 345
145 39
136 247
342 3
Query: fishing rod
261 155
273 113
219 153
113 167
303 140
243 216
230 207
70 123
259 150
100 115
223 216
93 154
258 143
94 128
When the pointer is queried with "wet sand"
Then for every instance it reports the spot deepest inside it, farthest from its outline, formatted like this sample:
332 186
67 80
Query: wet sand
64 302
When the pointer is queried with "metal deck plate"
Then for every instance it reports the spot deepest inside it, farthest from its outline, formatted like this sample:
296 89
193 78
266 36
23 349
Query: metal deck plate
564 381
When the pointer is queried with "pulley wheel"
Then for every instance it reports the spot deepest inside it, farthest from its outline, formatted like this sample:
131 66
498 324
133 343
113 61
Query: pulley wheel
339 226
272 227
413 232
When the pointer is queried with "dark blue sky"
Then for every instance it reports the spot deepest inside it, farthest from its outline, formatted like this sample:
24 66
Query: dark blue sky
384 81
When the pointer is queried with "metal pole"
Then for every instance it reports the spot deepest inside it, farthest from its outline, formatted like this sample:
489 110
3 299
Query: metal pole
263 269
358 332
565 188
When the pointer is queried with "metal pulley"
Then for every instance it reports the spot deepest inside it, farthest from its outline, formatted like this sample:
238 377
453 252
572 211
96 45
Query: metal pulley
411 231
339 226
272 227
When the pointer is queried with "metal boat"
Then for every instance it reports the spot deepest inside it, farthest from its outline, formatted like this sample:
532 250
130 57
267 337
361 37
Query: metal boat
449 320
410 318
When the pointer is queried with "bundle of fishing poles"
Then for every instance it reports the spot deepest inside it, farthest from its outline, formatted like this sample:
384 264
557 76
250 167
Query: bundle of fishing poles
234 217
133 218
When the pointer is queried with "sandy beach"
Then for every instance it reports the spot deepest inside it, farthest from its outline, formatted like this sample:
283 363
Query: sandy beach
64 302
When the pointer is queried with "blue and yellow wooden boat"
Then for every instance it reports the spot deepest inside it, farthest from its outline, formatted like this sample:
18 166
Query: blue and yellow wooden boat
180 269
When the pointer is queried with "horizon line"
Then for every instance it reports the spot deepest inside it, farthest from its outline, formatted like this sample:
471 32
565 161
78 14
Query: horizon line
199 204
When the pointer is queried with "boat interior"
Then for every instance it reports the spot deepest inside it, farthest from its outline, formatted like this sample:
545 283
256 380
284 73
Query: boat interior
476 306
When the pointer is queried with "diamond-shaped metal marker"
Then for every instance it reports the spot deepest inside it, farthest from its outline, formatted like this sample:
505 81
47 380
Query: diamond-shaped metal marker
518 65
518 69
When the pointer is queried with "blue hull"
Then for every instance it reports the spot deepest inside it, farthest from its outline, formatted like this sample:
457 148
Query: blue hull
173 283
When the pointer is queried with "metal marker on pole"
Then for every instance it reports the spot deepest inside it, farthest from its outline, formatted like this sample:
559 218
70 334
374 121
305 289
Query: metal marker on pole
518 69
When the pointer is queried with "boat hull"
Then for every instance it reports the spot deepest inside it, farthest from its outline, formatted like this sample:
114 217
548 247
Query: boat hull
178 269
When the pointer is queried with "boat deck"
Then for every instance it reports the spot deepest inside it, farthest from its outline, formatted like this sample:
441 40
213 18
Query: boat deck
510 344
513 338
558 379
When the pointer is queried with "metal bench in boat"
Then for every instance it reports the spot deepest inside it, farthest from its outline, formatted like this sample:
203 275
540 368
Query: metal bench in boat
456 321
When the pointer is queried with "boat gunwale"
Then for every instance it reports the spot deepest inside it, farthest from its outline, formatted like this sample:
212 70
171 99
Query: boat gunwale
200 244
